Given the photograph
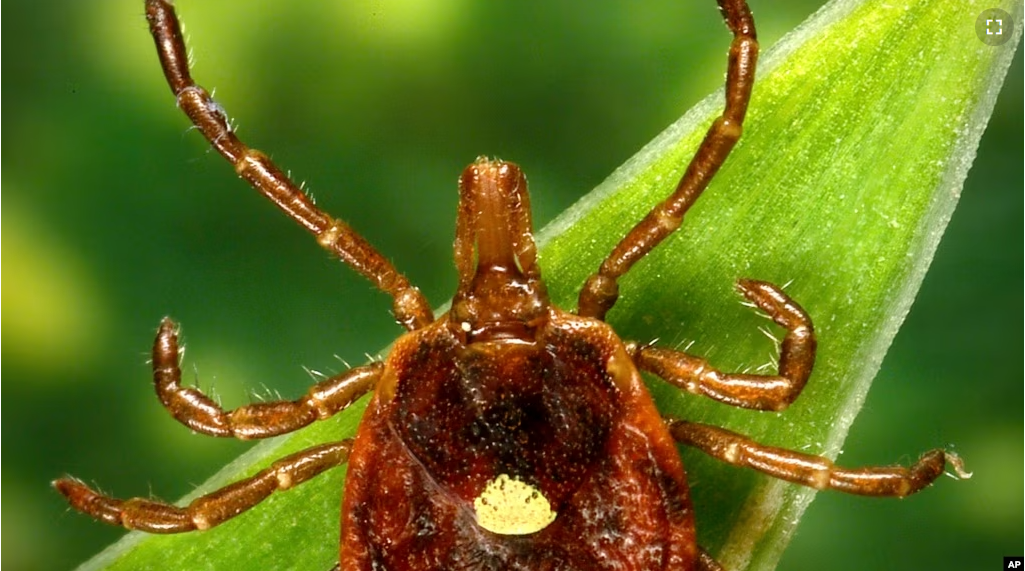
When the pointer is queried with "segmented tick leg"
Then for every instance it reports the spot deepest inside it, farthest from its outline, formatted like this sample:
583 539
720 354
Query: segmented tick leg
258 420
408 304
815 471
209 510
762 392
601 289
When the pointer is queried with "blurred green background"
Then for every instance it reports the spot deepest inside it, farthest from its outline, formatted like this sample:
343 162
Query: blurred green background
118 215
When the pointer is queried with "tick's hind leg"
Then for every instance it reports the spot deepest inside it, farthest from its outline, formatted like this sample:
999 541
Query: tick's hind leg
409 305
762 392
814 471
601 289
209 510
199 412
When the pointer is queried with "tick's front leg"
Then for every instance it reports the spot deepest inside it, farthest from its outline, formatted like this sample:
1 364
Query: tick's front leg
601 290
258 420
815 471
209 510
408 304
761 392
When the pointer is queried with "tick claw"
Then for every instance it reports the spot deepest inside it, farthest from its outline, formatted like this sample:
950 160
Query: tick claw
957 464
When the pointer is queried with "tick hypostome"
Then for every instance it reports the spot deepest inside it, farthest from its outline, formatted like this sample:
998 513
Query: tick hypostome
506 433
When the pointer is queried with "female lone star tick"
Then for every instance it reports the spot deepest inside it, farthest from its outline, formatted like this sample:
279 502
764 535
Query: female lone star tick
507 433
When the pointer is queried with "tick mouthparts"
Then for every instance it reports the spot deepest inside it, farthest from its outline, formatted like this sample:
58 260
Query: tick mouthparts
494 226
500 295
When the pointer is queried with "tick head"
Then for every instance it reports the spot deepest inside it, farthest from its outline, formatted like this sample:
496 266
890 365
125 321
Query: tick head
501 295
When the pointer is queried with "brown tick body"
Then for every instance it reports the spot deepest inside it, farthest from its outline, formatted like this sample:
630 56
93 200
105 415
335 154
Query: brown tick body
508 433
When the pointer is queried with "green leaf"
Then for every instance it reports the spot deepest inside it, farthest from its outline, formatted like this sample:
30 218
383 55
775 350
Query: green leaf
861 130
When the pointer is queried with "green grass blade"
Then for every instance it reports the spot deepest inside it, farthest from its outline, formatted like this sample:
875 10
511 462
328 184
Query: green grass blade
863 125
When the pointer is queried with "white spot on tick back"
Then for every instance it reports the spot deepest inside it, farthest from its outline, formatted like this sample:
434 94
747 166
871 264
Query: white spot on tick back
511 507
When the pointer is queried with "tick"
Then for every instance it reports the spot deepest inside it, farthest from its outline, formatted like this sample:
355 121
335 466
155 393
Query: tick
506 433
